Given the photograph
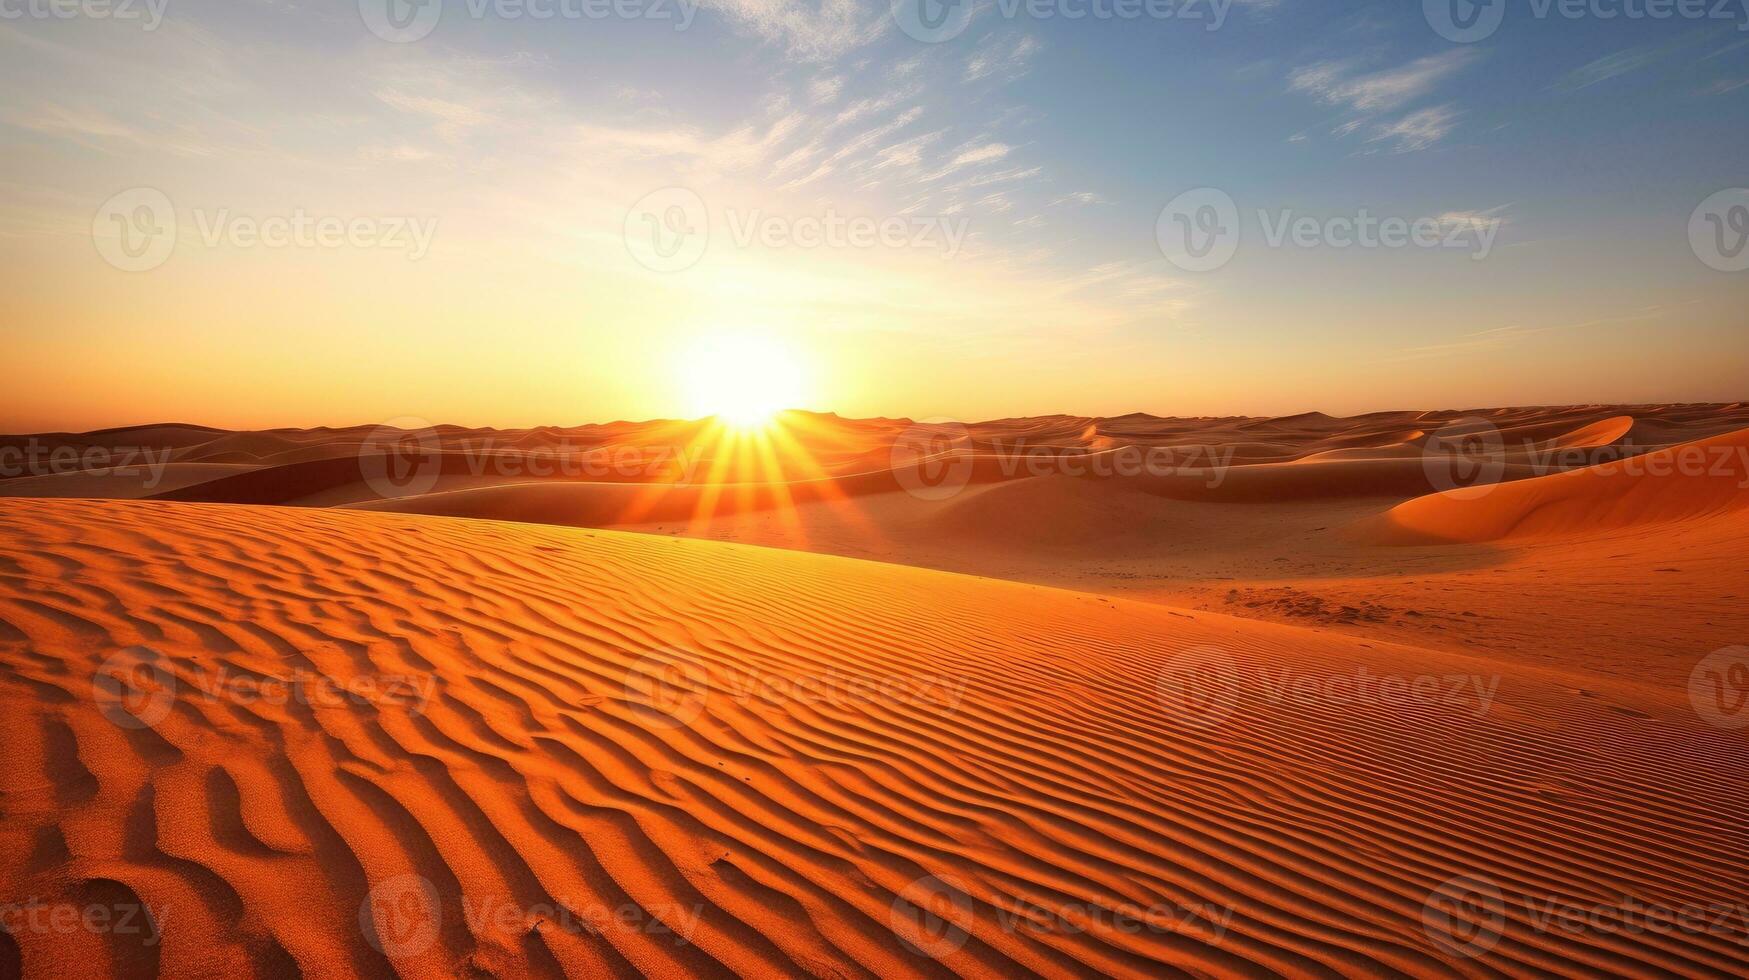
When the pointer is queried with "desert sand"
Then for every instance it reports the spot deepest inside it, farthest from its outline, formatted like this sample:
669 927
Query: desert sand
1304 696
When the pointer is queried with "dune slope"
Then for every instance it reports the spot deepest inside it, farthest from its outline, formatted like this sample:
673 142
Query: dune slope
1701 480
344 743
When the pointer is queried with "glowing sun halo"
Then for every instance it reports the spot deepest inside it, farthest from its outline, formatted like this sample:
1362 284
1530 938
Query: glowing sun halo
742 381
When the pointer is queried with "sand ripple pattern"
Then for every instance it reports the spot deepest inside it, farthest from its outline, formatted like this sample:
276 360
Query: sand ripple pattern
540 751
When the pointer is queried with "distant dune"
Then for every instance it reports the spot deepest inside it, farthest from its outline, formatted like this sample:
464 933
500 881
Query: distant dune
1699 480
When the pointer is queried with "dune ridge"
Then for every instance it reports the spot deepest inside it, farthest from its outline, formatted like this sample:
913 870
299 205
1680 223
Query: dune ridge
321 466
1707 479
1046 751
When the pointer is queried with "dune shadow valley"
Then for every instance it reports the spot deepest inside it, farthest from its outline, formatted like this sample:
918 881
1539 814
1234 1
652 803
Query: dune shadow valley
1406 694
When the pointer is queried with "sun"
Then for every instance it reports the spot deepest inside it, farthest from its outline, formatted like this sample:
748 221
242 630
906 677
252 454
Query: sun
743 381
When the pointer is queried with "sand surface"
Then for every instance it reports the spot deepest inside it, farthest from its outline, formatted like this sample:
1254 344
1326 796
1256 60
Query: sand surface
1293 705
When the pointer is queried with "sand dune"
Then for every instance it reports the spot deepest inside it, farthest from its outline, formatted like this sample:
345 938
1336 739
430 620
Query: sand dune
812 738
487 773
328 467
1694 481
123 483
1247 516
1596 434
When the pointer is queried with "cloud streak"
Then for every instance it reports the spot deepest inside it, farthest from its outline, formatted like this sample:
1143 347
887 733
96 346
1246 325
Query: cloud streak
1336 83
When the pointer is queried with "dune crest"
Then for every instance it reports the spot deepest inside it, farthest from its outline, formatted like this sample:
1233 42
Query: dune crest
1694 481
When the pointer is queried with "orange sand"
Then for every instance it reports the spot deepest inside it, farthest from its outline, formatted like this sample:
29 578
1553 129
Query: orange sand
329 741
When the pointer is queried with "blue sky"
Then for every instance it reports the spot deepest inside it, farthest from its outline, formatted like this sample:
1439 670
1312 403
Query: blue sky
1053 144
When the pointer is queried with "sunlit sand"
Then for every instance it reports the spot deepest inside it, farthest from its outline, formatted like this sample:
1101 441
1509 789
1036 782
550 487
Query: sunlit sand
1283 707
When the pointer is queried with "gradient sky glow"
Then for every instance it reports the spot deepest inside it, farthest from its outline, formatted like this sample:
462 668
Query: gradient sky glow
1052 143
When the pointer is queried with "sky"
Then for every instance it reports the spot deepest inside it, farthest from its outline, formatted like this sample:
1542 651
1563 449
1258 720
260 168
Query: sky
257 213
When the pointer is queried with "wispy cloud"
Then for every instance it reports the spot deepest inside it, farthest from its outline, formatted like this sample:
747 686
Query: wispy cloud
1002 57
1492 216
825 89
1336 83
1502 338
1418 130
1630 60
981 154
905 153
1607 67
819 32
